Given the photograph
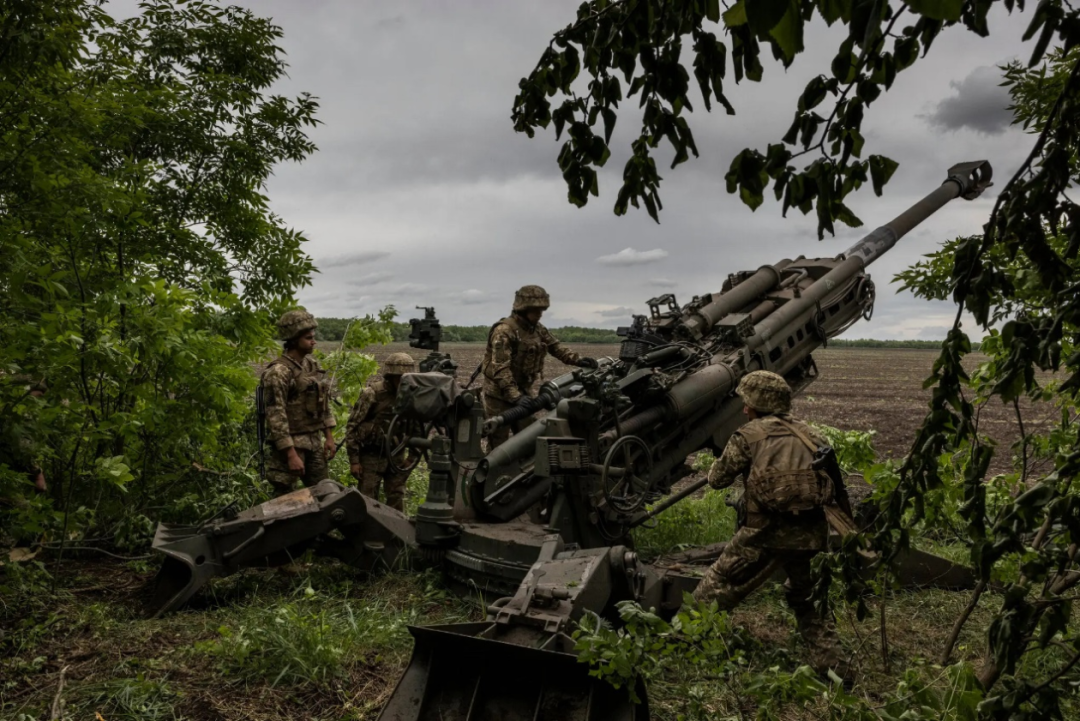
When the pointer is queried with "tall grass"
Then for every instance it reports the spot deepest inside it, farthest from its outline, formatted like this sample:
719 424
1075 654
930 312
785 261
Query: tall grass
693 522
316 637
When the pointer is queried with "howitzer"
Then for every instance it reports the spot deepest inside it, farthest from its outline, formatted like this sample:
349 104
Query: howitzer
598 463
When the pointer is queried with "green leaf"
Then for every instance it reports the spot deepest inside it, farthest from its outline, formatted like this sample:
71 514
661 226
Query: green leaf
788 32
813 95
609 122
712 10
764 15
881 169
736 15
833 10
948 10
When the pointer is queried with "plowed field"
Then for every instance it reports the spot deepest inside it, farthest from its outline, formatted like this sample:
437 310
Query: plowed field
875 389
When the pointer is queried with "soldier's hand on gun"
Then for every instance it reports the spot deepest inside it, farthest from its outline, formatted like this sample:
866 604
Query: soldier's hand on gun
356 470
588 363
296 463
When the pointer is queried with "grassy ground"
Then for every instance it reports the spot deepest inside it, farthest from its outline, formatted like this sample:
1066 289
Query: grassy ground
323 644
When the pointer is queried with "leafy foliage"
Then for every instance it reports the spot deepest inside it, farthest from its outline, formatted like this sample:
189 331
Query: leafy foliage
627 49
142 264
701 644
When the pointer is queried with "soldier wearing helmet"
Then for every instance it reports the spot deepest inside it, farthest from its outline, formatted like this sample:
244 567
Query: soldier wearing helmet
514 359
298 418
365 436
783 523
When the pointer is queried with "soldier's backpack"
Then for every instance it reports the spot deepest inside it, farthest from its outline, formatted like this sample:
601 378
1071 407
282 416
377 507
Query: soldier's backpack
782 478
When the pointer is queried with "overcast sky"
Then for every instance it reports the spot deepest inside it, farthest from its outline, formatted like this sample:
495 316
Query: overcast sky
422 194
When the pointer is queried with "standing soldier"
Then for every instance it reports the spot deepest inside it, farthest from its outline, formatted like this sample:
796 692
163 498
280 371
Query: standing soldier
784 524
365 436
514 359
297 399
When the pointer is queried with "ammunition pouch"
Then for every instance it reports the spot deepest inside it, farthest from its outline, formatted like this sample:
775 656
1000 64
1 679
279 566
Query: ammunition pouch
789 491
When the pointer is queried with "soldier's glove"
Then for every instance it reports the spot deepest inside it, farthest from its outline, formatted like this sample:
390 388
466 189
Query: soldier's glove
588 363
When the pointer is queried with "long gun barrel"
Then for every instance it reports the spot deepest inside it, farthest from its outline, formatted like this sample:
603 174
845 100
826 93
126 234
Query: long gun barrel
671 392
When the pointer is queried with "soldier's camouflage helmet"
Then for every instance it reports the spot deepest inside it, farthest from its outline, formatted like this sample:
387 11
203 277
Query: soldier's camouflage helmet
765 392
398 364
295 322
531 296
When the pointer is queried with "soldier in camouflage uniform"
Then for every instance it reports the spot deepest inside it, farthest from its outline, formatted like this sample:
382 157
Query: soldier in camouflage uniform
514 359
297 398
365 436
784 525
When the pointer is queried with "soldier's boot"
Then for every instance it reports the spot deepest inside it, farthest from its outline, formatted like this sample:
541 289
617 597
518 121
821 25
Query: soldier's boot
822 642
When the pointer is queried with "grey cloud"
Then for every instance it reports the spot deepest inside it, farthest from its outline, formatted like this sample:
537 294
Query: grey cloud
405 289
472 297
375 278
935 333
630 256
363 256
621 312
662 282
980 103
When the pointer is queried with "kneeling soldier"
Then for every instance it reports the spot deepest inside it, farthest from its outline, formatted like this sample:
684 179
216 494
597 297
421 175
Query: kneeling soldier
365 436
785 523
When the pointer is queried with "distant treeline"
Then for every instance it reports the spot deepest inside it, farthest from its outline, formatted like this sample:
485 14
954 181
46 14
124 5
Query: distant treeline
871 343
334 329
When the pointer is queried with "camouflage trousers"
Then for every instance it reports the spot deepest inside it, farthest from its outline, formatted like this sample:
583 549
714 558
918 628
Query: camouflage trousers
495 406
744 567
283 480
376 471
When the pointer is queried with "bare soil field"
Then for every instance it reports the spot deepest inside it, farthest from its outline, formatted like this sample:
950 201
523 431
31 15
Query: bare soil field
877 389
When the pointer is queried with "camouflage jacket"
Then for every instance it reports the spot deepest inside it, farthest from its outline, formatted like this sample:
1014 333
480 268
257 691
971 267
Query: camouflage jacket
297 398
762 448
369 421
515 354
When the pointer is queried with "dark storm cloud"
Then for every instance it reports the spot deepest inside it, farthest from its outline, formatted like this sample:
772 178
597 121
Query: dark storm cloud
979 103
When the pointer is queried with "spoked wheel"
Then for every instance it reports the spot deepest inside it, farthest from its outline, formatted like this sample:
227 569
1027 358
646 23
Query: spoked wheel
626 486
410 429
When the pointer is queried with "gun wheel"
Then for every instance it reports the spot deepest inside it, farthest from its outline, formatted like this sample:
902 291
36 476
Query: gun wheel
626 487
412 429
